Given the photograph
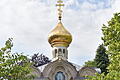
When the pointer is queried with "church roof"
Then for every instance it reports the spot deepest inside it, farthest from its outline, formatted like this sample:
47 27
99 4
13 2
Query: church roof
78 67
41 68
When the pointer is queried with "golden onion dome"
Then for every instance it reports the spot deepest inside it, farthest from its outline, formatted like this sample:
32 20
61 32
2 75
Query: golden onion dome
59 36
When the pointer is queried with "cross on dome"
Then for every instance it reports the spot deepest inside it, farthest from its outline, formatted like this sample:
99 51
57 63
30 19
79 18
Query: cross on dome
59 5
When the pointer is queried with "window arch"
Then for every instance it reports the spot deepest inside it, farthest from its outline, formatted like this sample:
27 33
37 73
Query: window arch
63 50
55 51
59 50
59 76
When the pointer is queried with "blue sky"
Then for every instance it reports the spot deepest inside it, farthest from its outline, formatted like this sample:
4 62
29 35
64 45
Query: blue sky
100 4
30 21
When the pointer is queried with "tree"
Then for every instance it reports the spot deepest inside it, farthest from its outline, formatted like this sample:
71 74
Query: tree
101 59
13 66
111 39
39 60
90 64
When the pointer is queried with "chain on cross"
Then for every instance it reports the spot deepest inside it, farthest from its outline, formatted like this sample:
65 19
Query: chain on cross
60 4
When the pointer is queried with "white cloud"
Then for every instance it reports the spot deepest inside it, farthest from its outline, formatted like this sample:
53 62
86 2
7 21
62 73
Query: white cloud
30 21
88 6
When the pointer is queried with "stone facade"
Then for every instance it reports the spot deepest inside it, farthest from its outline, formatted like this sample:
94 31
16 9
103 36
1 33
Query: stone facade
69 70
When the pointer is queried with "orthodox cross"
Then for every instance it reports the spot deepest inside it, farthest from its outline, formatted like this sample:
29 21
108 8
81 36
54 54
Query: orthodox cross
59 5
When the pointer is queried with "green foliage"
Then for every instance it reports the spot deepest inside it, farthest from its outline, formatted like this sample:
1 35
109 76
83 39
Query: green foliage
90 64
111 39
13 66
101 59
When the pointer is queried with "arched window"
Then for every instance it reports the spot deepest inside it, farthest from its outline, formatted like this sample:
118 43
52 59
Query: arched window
59 76
55 51
63 50
60 50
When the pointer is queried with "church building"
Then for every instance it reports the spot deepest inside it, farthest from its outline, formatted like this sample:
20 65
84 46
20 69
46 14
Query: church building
60 68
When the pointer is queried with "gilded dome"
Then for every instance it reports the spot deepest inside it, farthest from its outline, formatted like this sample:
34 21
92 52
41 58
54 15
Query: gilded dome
59 36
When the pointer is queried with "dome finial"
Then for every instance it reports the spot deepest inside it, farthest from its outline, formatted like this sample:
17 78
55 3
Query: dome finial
59 5
59 36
